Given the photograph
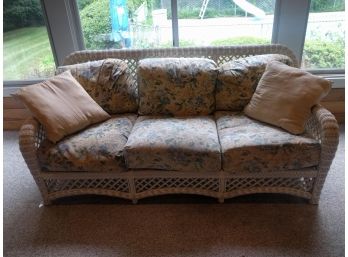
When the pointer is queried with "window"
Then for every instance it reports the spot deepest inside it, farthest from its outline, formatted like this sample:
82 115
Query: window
103 24
225 22
124 24
324 44
148 23
27 51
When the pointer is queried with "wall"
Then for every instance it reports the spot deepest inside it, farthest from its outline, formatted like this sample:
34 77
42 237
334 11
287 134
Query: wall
15 113
334 102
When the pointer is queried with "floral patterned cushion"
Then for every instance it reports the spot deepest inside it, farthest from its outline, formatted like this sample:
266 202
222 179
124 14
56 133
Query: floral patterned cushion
98 148
238 79
108 82
176 86
251 146
179 144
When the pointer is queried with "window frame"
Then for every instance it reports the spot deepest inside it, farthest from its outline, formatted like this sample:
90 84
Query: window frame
62 18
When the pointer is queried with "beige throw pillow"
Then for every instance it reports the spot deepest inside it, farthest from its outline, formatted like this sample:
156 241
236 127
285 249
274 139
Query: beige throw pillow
285 95
61 105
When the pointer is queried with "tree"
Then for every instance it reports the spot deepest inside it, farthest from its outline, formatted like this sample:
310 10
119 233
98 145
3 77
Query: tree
22 13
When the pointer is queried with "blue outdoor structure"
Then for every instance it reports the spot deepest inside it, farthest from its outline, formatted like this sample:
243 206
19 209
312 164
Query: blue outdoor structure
119 22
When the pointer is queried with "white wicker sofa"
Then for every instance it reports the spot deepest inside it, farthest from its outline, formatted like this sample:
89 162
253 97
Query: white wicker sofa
135 184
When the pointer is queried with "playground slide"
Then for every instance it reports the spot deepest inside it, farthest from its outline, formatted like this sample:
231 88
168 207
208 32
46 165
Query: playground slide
250 8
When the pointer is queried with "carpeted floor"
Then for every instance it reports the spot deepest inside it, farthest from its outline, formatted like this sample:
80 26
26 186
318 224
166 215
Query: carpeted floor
260 225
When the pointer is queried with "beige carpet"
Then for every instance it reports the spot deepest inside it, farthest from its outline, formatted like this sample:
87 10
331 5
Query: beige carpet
260 225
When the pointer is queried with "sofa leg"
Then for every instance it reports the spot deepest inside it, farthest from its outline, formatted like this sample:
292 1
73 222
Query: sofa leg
221 200
135 201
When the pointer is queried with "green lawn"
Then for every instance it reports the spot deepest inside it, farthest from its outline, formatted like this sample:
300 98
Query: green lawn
27 54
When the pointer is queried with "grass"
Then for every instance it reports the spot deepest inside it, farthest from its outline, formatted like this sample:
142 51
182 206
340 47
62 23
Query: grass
27 54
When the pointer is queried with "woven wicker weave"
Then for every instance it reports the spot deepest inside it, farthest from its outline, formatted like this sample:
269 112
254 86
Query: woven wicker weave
306 183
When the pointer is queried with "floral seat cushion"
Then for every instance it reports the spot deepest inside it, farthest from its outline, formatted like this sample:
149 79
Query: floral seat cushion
109 82
237 80
99 148
176 86
177 144
251 146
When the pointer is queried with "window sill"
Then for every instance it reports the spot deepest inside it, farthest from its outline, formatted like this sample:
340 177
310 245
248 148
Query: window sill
338 80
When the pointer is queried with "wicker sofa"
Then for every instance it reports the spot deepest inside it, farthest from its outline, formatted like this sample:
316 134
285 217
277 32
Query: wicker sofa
134 184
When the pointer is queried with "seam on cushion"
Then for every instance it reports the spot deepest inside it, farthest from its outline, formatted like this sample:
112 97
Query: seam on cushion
217 132
217 72
101 69
125 153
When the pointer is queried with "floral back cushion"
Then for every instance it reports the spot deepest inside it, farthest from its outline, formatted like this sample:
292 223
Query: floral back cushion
238 79
109 82
176 86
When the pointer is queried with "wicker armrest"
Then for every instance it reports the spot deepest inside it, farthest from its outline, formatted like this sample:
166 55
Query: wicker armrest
324 127
30 136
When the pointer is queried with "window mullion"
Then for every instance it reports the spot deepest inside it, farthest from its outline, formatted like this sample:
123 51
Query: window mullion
290 24
175 24
45 17
63 27
75 20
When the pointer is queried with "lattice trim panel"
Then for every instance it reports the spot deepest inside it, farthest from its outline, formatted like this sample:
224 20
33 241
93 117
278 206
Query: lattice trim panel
41 135
303 184
223 59
57 185
132 65
147 184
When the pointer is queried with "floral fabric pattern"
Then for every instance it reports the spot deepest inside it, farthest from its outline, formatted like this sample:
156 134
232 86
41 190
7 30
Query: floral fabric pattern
109 82
177 144
251 146
238 79
176 86
98 148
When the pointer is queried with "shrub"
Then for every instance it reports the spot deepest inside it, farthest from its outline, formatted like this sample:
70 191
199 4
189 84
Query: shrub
96 25
327 6
188 13
187 43
240 41
182 43
193 13
323 54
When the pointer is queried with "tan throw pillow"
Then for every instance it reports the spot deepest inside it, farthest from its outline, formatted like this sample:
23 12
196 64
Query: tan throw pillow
285 95
61 105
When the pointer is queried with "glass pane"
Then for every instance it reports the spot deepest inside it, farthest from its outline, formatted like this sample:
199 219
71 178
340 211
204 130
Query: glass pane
124 24
225 22
324 45
27 51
